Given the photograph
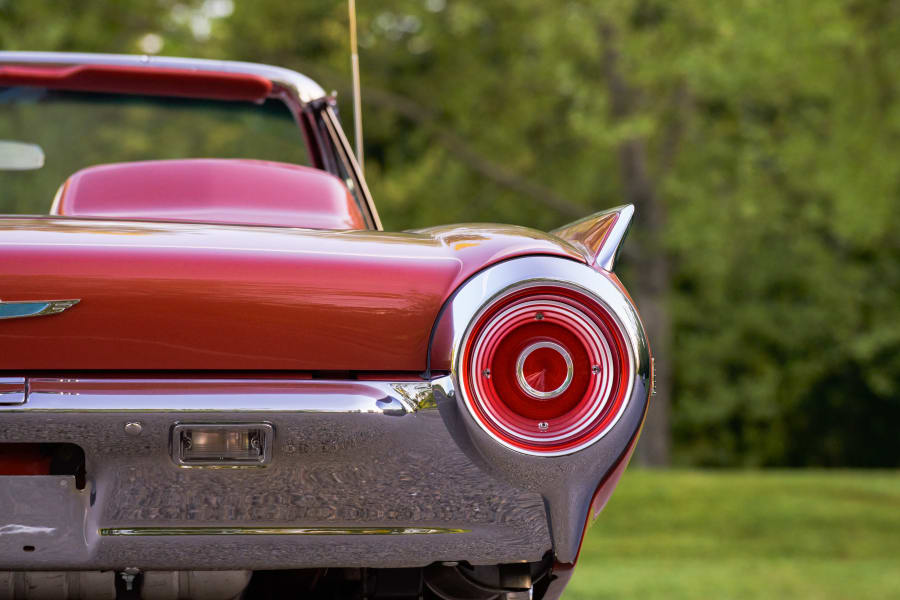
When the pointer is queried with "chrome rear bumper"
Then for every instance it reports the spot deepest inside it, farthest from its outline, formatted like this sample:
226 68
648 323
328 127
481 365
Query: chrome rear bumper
362 474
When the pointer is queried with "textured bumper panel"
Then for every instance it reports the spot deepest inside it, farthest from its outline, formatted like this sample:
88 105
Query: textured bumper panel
362 474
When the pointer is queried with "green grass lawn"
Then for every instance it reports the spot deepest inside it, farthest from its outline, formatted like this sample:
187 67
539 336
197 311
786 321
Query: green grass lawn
768 534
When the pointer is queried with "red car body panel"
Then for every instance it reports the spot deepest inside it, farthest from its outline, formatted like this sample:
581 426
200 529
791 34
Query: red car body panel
178 296
247 192
157 81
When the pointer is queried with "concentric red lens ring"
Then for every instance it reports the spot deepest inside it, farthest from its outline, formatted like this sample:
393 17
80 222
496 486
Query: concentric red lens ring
603 397
598 353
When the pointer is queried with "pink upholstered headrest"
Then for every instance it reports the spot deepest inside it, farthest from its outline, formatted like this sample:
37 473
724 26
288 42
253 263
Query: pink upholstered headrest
246 192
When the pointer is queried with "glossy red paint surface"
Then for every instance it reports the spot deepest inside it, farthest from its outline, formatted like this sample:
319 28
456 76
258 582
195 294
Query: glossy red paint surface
173 296
250 192
23 459
149 80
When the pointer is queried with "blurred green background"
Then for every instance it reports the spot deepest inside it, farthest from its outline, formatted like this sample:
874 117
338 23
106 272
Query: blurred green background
760 142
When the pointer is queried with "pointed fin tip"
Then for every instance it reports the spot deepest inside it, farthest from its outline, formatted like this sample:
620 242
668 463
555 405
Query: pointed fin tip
599 236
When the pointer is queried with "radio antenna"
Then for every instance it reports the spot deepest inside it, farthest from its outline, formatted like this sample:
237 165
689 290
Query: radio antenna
357 99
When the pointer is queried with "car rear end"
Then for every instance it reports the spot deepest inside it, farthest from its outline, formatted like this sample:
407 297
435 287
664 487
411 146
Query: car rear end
253 405
431 483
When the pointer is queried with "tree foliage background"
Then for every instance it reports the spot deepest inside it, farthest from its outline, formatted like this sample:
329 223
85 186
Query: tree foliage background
759 139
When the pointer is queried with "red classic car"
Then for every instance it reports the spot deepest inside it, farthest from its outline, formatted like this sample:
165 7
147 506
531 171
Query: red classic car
220 377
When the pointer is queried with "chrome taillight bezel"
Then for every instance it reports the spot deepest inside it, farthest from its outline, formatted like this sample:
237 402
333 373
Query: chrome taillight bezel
592 426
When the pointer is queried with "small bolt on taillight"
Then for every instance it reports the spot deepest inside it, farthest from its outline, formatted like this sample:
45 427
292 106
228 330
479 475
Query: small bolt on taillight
544 369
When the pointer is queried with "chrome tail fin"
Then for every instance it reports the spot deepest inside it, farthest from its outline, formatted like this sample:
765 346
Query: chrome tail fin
599 237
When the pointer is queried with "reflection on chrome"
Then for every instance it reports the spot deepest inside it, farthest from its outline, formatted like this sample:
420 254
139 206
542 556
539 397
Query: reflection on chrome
13 529
415 396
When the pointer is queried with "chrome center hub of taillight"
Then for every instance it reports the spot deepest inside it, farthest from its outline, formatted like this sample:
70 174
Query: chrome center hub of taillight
544 370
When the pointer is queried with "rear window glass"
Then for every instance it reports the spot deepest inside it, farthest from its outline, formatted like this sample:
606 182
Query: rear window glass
76 130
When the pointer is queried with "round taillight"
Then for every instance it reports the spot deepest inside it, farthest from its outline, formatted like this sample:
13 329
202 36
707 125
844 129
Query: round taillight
544 370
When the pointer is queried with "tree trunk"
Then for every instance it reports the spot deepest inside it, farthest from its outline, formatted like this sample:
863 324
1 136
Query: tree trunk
650 281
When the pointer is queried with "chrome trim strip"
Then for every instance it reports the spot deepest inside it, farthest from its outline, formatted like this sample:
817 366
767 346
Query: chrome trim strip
57 198
34 308
343 145
178 531
220 396
304 89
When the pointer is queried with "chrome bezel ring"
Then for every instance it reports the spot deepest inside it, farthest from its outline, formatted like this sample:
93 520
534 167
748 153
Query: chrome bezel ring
523 382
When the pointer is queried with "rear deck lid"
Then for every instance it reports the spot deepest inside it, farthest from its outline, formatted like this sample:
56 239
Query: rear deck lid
176 296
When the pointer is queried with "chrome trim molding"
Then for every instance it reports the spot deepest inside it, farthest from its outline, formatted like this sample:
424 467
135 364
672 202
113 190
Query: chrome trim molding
520 370
34 308
301 87
224 396
177 531
340 139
